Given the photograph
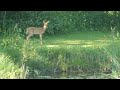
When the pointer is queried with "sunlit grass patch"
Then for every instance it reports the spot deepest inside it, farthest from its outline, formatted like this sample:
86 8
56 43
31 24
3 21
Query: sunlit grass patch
8 70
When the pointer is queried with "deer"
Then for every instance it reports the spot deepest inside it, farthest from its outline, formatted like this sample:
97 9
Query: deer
30 31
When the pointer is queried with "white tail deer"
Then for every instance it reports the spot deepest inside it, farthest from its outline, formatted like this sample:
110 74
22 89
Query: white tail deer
36 30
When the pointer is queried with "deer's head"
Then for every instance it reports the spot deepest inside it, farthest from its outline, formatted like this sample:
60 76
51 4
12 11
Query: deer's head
45 24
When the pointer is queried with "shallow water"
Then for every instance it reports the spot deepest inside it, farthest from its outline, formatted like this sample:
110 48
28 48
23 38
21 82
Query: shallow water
75 76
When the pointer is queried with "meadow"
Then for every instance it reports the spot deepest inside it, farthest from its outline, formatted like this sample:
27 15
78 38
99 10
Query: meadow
80 54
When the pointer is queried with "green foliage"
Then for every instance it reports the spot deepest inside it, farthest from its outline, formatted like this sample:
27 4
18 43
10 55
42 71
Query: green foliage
60 21
75 44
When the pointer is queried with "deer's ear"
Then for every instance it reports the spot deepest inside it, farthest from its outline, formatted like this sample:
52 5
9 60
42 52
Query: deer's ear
48 21
43 21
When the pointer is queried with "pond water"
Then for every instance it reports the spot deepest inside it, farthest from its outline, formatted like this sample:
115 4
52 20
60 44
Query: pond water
75 76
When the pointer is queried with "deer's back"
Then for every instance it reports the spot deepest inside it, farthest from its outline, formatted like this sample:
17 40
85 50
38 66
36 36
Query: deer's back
35 30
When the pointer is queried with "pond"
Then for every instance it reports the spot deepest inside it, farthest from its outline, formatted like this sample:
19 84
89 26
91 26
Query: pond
74 75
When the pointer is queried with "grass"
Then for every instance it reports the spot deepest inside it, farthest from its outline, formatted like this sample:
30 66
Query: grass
9 70
78 52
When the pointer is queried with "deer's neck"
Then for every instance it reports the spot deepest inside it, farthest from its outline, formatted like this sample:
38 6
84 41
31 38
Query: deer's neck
44 27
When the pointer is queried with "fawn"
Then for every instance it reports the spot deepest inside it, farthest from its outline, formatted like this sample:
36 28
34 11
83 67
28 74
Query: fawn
30 31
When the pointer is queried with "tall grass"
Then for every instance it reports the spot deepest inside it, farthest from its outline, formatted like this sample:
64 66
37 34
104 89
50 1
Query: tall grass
9 70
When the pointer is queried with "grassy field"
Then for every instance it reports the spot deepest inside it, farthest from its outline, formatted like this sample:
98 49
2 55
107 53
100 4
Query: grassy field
69 54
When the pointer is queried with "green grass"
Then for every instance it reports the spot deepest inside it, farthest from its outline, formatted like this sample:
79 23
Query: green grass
81 52
83 39
9 70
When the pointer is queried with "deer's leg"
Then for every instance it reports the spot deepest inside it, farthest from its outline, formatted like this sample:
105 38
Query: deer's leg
41 39
28 36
